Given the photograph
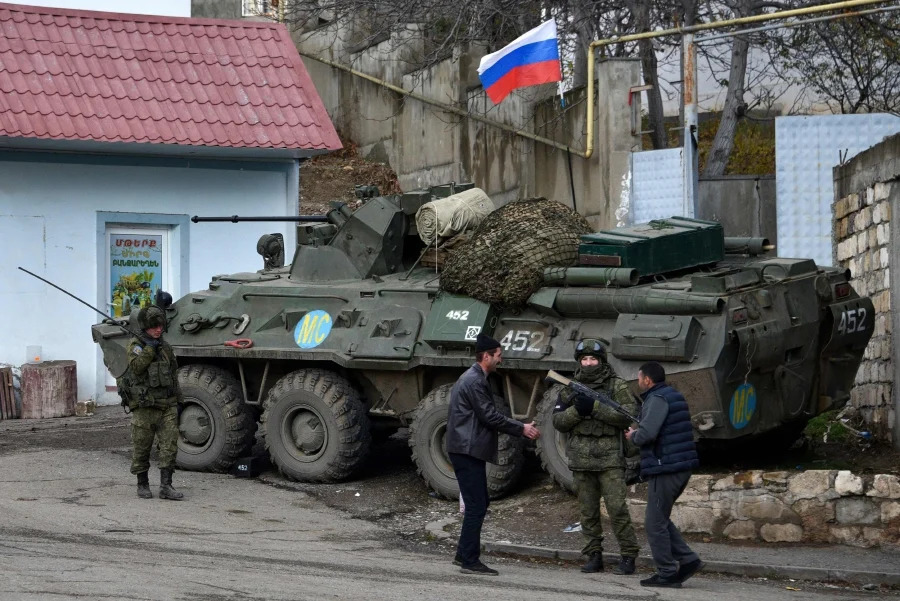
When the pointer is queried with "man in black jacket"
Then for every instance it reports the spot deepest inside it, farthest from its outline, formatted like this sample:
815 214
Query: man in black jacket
473 423
666 439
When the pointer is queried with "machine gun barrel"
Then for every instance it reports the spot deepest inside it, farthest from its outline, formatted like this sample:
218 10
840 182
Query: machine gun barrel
237 218
580 388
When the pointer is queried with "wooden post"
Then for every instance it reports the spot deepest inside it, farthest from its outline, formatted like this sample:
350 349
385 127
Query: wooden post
8 409
49 389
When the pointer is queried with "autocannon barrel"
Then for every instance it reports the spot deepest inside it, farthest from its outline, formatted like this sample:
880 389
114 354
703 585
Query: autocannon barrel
596 302
591 276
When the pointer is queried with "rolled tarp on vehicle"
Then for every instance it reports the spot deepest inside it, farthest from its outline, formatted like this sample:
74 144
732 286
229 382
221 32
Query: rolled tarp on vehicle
446 217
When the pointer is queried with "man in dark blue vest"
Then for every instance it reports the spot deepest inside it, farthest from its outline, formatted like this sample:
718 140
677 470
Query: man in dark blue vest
666 439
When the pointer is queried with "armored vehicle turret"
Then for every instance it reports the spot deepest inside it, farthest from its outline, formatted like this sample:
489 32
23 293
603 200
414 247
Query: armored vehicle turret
353 337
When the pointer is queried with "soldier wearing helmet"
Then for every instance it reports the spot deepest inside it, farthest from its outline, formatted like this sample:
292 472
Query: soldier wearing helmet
595 450
150 389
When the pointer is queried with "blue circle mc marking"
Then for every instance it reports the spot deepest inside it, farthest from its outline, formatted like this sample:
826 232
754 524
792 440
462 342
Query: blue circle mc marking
313 329
743 406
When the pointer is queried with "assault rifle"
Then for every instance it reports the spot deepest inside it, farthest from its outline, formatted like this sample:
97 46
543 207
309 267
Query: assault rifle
579 388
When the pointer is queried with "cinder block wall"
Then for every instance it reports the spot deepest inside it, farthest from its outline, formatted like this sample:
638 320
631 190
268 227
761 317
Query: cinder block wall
867 191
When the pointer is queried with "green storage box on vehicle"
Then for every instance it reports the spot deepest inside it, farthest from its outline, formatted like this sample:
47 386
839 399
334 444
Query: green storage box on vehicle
661 246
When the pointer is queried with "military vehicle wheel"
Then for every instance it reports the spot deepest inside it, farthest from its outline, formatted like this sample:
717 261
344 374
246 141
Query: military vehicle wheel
215 428
427 437
316 426
551 446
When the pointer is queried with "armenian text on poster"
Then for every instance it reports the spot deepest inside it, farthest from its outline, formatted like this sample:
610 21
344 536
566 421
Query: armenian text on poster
136 270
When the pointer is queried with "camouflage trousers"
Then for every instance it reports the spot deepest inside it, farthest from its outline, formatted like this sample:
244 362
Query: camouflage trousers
150 422
610 485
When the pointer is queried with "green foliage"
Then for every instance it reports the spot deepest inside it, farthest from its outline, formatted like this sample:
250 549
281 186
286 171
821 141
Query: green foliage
754 144
826 427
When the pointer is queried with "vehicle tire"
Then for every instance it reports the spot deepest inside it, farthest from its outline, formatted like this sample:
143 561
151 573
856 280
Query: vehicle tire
315 426
551 446
215 428
427 438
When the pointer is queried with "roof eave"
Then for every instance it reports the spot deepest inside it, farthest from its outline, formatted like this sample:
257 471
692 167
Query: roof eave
158 150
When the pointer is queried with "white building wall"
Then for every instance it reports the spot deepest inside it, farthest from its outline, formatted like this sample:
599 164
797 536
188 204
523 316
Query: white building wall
168 8
49 225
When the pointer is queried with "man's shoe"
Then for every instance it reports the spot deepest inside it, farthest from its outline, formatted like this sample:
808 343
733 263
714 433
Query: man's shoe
479 569
689 569
457 561
625 567
659 581
594 563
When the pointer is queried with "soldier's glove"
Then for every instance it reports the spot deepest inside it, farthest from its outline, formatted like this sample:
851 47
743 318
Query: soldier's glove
584 405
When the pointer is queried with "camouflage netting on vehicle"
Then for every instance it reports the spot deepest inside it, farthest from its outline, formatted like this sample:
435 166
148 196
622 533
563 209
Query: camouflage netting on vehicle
503 262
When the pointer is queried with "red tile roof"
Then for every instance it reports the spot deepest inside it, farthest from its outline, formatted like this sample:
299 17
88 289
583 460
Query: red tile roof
84 75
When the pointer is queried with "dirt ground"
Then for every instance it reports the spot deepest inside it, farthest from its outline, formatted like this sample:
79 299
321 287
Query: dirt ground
334 177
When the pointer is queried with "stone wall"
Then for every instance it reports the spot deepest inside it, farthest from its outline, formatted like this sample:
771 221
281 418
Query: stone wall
865 222
815 506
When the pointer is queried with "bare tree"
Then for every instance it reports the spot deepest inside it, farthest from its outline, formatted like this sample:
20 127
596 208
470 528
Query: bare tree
851 63
735 106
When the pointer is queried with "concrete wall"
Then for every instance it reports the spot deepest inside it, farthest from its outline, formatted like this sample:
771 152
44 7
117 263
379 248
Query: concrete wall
426 145
52 209
601 181
215 9
867 197
744 205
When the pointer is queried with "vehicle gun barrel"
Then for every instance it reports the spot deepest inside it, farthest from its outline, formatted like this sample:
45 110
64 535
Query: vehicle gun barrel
237 218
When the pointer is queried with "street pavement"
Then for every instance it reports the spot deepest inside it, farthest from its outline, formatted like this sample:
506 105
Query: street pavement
71 527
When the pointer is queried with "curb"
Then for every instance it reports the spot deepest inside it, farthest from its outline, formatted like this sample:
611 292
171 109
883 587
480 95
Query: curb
721 567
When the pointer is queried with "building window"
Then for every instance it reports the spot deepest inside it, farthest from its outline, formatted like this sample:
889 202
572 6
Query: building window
259 8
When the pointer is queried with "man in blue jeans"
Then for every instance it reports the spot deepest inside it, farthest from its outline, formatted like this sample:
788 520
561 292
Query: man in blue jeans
473 423
668 455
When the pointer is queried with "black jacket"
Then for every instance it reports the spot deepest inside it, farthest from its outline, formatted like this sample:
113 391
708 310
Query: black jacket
472 419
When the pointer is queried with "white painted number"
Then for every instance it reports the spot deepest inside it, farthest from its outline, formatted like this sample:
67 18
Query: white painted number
522 340
458 315
853 320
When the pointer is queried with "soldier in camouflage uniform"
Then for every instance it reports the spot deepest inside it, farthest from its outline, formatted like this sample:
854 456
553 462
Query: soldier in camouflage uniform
149 387
596 457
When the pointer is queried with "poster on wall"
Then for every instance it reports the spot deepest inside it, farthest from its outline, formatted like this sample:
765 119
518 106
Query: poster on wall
136 270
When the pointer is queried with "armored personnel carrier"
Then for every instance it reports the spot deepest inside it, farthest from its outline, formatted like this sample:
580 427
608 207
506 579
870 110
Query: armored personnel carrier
353 338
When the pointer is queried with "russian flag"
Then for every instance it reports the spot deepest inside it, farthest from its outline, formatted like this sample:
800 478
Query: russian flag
531 59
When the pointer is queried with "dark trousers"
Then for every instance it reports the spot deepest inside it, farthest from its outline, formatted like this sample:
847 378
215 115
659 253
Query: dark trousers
666 544
472 478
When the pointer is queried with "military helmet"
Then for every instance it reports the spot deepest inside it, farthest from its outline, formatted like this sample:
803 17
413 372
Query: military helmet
151 317
590 346
163 299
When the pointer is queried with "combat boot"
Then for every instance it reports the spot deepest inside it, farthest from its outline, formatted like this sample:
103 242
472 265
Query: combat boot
165 486
144 486
625 567
594 563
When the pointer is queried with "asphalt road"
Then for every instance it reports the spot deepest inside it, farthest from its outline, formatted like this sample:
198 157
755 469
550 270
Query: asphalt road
71 527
